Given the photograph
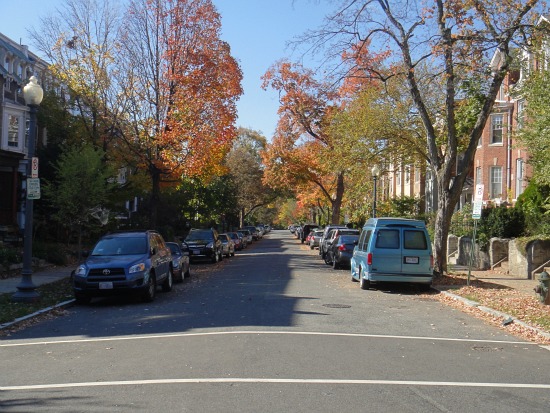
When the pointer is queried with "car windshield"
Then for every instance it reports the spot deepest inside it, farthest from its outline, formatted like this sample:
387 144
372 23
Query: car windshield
199 236
173 248
121 246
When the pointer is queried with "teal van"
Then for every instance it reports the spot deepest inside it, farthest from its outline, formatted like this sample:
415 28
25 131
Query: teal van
393 250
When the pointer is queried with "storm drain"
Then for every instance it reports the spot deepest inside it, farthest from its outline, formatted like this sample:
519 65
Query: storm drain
337 305
484 348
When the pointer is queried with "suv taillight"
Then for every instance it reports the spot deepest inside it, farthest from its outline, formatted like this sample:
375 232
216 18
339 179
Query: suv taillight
369 258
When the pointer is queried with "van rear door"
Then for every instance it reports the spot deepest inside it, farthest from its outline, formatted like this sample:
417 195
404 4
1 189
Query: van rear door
416 252
386 256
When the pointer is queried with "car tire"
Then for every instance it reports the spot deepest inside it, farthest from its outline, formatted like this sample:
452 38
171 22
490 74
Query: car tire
149 294
177 278
364 284
215 257
327 260
82 299
187 273
233 253
168 283
335 264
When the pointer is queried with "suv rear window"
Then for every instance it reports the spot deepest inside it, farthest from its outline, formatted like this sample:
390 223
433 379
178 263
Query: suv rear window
414 240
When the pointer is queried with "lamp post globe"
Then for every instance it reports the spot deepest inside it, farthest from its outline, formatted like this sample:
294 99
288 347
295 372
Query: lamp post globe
375 174
26 290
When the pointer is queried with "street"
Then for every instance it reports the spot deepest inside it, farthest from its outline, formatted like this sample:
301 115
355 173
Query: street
273 329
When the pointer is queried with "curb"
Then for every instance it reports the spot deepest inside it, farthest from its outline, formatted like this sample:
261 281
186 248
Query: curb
506 317
46 310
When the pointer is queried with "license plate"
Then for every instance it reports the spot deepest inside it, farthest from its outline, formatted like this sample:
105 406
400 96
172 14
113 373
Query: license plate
411 260
106 285
196 252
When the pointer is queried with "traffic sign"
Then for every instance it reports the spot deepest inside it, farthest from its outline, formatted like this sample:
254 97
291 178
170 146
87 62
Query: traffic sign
478 196
33 188
34 167
476 211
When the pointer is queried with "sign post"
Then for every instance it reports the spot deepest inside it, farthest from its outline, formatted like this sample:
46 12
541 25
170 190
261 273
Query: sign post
476 215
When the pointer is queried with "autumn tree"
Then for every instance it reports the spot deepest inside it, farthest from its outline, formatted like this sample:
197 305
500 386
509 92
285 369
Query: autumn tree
300 150
244 164
155 84
441 45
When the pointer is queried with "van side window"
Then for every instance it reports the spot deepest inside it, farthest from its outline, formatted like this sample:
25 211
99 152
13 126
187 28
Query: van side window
388 238
361 240
414 240
366 240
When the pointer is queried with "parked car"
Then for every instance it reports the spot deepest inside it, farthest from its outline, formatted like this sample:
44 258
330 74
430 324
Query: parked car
331 236
340 250
180 261
204 244
254 231
237 240
306 229
125 263
322 243
393 250
315 237
228 246
247 236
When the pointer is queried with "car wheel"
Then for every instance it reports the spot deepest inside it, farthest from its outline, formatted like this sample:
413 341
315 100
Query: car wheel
364 284
221 256
82 299
168 282
327 259
187 273
233 253
177 277
311 247
150 292
335 264
215 257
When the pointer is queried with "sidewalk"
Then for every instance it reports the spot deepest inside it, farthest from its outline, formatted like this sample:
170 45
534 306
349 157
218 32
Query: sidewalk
40 277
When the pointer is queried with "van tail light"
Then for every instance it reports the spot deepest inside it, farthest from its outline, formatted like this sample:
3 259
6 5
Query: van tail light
369 258
431 261
342 247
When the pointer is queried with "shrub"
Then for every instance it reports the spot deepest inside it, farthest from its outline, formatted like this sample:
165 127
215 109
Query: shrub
9 256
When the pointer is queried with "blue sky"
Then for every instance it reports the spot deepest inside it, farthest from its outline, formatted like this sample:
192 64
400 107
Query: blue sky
257 31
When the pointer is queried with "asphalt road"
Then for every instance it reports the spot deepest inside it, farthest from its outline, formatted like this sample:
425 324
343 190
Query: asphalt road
273 329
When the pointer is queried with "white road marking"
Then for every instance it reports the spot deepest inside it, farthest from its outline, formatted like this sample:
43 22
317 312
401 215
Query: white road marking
276 381
304 333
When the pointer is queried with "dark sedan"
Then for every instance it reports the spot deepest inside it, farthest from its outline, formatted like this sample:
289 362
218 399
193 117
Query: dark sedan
340 251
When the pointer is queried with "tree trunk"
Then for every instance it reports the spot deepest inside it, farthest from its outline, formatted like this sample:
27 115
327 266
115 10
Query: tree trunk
337 202
155 198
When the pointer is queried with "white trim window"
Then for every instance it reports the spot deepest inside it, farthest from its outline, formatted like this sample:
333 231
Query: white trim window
519 176
496 128
13 131
520 114
496 182
479 176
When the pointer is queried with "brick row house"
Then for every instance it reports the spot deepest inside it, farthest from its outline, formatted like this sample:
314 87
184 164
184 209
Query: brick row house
17 65
500 164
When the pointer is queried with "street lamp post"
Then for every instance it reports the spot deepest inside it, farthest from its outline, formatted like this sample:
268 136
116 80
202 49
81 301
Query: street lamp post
375 174
26 290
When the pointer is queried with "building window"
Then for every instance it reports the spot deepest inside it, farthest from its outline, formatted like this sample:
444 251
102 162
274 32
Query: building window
496 128
13 131
519 177
521 114
407 174
479 177
496 182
